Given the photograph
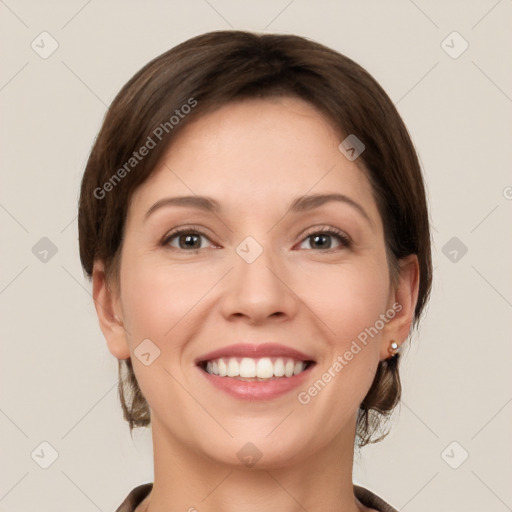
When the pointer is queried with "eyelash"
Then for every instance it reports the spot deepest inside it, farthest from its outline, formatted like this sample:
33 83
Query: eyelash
190 230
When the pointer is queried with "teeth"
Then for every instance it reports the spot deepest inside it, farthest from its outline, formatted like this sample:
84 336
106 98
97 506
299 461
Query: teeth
279 367
248 368
233 368
288 369
264 368
222 367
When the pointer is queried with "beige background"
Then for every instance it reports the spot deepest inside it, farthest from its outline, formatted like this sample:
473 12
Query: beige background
57 379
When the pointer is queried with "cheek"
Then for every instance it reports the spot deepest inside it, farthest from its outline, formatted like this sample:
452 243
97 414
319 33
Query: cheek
349 302
347 298
158 302
335 304
157 297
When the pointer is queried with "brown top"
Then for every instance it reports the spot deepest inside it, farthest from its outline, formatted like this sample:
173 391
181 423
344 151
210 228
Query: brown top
366 497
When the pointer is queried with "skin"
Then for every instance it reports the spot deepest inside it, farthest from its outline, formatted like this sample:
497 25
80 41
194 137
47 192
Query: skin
254 158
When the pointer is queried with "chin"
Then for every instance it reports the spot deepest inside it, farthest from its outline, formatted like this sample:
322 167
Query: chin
254 451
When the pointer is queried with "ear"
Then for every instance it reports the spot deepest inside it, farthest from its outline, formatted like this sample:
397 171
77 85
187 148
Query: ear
402 302
106 302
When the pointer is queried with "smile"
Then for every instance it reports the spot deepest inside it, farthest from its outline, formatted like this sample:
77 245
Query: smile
256 370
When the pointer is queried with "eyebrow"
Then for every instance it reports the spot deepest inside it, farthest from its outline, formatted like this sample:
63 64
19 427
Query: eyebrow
299 205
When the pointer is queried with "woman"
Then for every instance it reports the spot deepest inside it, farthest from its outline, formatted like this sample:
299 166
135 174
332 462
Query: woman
254 222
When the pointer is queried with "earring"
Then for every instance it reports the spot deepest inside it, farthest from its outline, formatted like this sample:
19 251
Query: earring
394 348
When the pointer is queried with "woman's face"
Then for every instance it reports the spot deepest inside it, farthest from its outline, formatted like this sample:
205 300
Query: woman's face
260 276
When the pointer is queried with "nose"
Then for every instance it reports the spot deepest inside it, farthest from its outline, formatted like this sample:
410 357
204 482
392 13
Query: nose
259 291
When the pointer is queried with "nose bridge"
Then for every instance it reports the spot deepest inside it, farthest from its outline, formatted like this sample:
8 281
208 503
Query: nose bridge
256 287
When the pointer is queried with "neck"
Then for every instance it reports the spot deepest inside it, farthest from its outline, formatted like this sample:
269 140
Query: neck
186 480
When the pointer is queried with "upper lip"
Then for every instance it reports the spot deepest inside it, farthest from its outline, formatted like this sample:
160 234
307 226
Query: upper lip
255 351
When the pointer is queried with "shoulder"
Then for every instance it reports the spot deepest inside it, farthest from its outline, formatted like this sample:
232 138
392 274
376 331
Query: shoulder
369 499
366 497
135 498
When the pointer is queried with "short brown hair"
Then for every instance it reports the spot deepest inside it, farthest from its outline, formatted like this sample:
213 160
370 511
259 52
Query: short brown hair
220 67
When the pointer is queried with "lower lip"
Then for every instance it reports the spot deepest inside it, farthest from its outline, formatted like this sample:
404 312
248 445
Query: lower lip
247 390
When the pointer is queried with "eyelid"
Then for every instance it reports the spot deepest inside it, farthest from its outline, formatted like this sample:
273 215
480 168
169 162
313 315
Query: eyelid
346 240
326 229
181 230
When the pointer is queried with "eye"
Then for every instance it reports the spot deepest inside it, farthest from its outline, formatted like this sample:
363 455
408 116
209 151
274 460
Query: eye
186 239
323 240
190 239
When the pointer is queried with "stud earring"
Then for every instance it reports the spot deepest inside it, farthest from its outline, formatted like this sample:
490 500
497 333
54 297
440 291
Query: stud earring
394 348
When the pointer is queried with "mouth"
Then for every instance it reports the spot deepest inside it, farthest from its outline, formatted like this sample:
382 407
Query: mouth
255 369
255 372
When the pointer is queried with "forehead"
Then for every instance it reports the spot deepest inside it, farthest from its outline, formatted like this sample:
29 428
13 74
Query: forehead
257 154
